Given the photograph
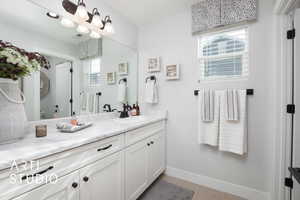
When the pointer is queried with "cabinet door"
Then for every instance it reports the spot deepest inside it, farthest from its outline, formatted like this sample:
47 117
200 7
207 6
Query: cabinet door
103 180
136 170
66 188
156 156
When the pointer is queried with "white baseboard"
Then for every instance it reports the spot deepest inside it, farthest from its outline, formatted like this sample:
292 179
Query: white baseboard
223 186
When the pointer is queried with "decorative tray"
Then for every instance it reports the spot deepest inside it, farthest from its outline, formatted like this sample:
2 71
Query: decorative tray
74 129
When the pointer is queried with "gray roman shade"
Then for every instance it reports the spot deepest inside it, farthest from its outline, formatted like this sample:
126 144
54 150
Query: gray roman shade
209 14
206 15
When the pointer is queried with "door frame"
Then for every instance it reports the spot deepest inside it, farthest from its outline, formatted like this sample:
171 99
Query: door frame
282 154
71 70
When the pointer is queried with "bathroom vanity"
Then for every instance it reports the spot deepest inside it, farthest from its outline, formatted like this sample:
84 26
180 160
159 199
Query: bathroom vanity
115 159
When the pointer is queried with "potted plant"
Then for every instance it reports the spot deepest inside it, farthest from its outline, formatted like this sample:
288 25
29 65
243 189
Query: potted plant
15 63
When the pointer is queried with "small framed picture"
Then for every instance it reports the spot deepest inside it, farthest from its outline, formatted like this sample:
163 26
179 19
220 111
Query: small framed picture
172 72
123 69
111 78
154 64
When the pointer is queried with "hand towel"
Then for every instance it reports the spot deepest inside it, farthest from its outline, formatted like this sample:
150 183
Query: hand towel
231 107
207 106
233 134
151 92
208 132
122 92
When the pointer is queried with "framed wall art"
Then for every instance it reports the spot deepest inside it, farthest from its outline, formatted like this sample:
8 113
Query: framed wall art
172 72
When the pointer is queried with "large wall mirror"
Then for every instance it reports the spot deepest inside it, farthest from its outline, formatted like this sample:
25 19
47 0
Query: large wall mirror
86 75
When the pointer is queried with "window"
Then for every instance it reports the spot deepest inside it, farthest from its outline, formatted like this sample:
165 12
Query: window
92 68
224 55
95 72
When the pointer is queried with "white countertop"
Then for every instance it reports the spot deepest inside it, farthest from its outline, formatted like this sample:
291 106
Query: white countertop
31 148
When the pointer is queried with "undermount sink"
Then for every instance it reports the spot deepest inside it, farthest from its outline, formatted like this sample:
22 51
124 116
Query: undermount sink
131 120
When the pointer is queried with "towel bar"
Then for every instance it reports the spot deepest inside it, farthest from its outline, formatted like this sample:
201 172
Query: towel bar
296 173
123 79
249 92
152 78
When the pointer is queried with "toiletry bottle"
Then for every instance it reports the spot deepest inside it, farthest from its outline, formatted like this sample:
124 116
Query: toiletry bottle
133 111
138 112
129 108
74 120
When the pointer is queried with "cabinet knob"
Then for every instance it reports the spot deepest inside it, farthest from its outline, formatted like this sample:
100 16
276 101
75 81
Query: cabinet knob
148 144
75 185
85 179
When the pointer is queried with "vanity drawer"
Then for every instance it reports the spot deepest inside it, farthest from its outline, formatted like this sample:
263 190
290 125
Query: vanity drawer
102 149
139 134
56 165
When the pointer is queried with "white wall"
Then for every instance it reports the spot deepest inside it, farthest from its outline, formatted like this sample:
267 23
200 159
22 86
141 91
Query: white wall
171 39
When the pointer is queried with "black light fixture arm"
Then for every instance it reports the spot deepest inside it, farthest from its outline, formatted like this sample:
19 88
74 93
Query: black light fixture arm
81 3
106 20
95 12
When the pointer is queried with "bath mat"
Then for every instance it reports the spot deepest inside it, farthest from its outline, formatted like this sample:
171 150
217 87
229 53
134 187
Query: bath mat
162 190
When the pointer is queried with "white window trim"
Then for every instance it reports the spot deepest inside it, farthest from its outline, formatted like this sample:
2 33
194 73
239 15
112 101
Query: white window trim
245 74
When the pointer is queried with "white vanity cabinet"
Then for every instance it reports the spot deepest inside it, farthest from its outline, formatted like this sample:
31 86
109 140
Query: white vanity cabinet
145 161
121 167
66 188
136 169
103 179
156 156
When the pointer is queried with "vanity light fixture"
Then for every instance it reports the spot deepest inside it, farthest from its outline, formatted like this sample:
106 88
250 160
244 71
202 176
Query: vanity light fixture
52 15
96 21
82 29
107 25
67 22
87 22
95 35
81 11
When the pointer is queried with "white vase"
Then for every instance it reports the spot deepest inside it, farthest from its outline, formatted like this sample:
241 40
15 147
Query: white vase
13 120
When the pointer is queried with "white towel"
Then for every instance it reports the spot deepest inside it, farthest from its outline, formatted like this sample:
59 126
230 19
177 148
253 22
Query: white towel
233 134
209 131
151 92
207 106
231 107
122 92
83 101
91 103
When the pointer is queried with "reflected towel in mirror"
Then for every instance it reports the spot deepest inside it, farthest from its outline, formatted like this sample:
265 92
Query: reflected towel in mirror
122 92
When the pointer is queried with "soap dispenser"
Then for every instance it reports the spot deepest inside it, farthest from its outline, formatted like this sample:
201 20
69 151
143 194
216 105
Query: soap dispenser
124 113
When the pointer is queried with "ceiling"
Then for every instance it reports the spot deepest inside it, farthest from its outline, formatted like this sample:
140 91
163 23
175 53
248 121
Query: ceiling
141 12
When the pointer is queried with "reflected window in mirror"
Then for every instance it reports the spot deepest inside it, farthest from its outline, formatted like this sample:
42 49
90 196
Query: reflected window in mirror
93 66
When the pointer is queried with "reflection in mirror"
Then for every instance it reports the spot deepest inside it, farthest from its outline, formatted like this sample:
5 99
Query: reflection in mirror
100 67
55 100
110 70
